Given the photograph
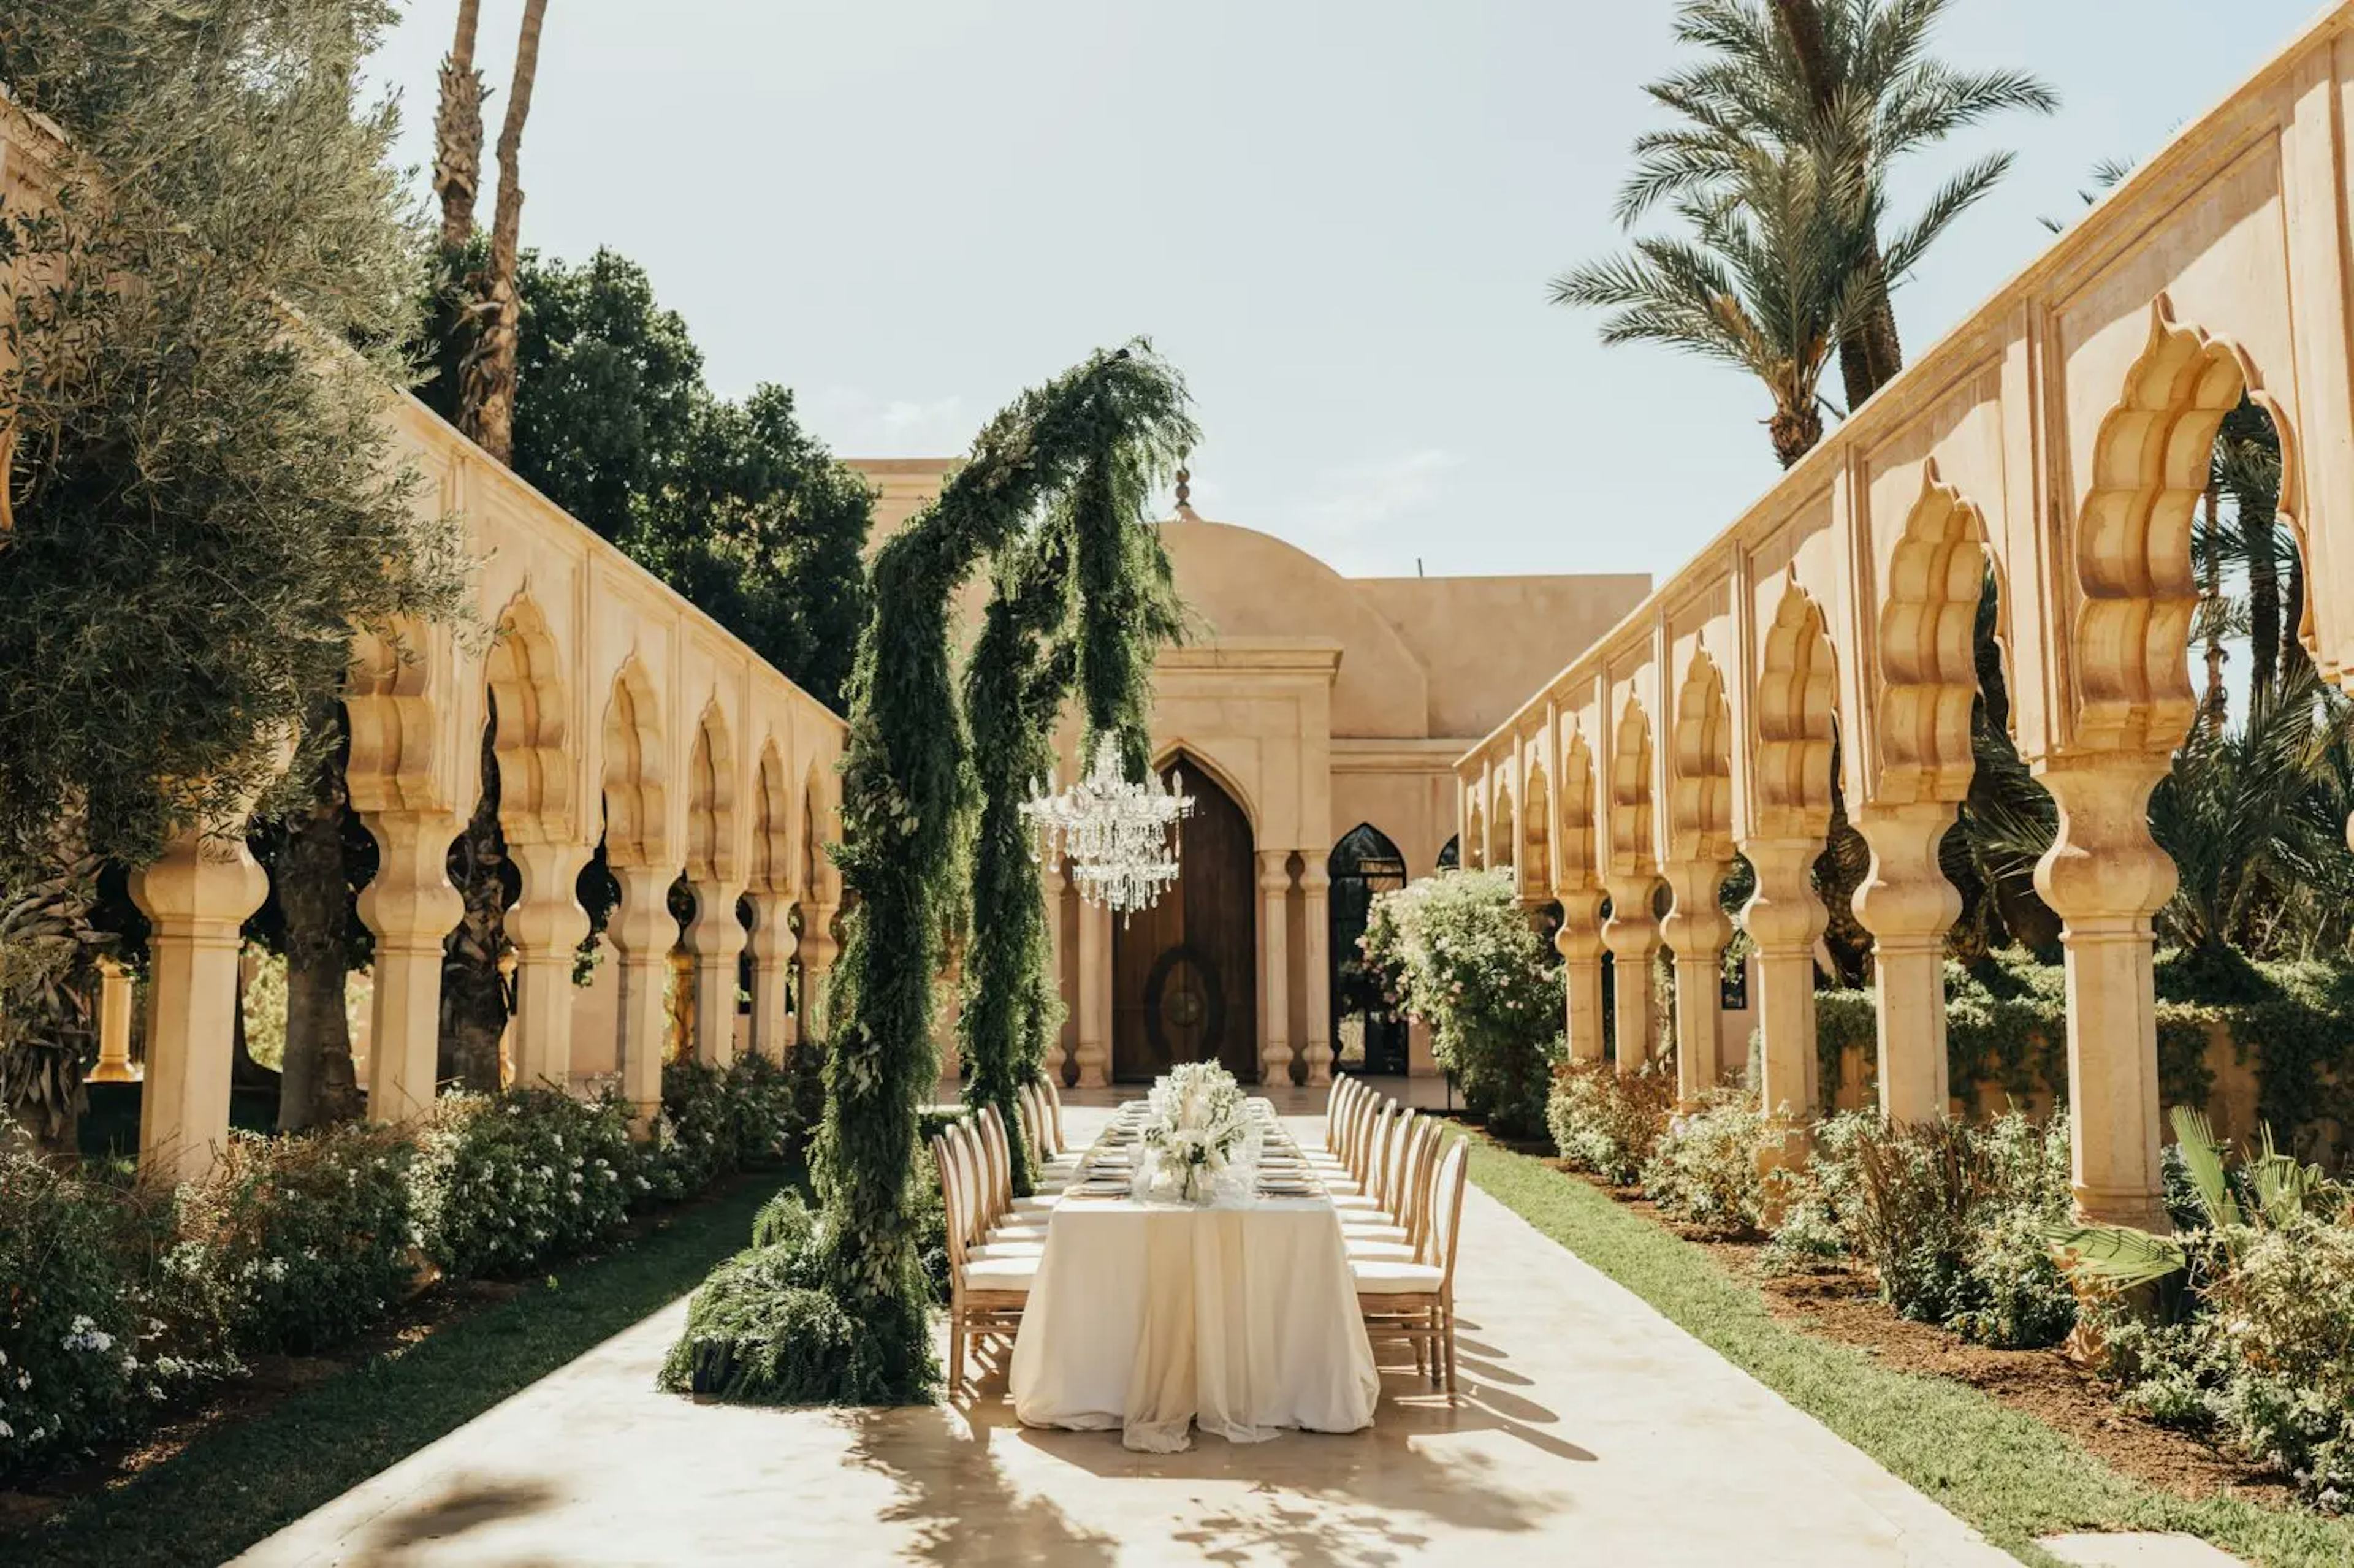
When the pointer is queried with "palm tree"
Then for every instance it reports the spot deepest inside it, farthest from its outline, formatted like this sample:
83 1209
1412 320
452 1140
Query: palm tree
457 134
1770 281
487 378
1850 81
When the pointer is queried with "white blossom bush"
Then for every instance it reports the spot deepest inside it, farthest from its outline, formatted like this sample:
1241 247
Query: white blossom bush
503 1181
88 1336
295 1243
1457 952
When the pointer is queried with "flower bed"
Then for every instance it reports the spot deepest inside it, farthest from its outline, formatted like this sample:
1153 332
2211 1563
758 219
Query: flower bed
114 1300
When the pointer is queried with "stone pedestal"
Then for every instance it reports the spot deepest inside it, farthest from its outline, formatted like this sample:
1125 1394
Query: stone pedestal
1315 967
1274 968
197 895
1784 919
642 934
2105 877
1632 936
717 937
1695 932
115 1004
409 908
1908 907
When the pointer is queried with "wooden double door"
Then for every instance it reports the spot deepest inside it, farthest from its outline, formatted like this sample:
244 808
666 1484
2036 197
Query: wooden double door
1185 972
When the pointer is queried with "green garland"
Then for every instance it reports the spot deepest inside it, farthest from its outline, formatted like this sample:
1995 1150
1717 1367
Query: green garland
1073 453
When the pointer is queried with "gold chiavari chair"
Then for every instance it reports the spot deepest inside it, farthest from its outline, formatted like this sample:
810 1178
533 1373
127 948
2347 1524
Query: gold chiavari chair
986 1295
1414 1301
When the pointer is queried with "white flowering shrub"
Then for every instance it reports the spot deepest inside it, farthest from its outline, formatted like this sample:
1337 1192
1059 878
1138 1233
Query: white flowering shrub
715 1121
1705 1170
88 1339
296 1243
503 1181
1457 951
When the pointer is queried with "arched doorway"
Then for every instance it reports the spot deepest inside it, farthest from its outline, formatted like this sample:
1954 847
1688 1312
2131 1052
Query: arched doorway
1367 1036
1185 972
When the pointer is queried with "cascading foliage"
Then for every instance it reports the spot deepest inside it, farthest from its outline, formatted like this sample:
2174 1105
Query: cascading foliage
1054 496
1084 602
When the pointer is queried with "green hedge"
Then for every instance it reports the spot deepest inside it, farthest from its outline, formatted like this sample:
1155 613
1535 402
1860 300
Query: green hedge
2006 1023
115 1299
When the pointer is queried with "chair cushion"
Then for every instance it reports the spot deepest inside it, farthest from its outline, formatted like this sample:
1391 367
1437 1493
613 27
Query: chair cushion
1354 1234
1038 1205
1376 1276
1380 1251
1355 1202
1000 1273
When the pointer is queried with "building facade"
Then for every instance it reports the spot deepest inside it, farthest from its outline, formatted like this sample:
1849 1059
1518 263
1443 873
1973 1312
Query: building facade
1314 719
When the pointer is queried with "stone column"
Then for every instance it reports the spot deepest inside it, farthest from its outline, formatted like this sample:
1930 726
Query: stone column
717 937
409 908
1095 995
642 933
115 1005
818 951
1695 932
1274 968
546 924
1784 919
1579 943
2106 876
1315 965
197 895
1632 938
1908 907
1051 888
772 956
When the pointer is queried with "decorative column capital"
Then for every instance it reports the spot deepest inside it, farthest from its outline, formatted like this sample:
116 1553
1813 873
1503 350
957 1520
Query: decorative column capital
1314 880
1274 871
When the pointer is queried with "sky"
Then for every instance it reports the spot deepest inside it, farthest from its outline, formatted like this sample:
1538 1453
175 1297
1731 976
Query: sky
1337 220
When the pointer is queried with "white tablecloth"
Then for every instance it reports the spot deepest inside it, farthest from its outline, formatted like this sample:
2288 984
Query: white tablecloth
1149 1317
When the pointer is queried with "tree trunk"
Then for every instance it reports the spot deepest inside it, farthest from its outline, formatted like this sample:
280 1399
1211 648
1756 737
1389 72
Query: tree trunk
458 134
318 1084
2257 533
2218 701
1794 432
488 385
2293 660
473 992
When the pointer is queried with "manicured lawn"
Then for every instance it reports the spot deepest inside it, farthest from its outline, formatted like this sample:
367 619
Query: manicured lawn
236 1484
2005 1472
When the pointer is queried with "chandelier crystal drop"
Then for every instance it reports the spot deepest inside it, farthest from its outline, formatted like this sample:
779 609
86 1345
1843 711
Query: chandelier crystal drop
1120 837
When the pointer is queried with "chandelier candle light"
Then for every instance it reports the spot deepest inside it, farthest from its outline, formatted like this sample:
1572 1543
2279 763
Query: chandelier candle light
1121 837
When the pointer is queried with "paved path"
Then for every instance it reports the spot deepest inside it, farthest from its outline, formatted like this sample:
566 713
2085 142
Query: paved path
1591 1431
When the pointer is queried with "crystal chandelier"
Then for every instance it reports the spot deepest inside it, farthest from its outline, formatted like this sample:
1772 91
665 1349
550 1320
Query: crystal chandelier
1121 837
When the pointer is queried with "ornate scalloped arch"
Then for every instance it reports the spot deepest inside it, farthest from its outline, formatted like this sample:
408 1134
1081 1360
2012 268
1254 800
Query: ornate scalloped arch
1928 671
1633 850
1797 720
391 701
1502 829
1579 868
525 672
1700 822
711 799
2133 534
1535 852
637 819
775 855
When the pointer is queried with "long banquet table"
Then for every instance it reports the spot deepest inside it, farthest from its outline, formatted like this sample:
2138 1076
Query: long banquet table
1155 1316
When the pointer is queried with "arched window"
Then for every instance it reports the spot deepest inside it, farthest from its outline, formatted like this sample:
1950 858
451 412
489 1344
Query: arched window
1367 1035
1451 857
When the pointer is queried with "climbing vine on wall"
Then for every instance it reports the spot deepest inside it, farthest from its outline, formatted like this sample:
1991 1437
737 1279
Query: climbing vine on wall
1071 458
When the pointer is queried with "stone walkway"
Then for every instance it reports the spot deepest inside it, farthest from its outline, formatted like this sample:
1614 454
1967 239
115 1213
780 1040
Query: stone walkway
1590 1431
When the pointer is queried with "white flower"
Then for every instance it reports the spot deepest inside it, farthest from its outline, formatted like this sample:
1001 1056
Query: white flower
6 1430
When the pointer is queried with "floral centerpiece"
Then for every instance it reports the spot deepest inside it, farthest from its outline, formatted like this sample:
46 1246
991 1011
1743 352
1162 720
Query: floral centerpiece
1197 1128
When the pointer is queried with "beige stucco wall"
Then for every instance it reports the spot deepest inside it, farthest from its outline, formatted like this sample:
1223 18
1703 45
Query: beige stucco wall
1479 640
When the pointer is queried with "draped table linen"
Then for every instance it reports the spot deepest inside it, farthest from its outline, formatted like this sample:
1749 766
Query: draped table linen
1153 1315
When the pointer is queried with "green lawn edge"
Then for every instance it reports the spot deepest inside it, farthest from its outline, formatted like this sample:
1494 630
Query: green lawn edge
2005 1472
239 1484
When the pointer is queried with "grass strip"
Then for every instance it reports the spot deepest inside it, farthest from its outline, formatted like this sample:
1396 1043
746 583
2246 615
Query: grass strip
2007 1473
235 1486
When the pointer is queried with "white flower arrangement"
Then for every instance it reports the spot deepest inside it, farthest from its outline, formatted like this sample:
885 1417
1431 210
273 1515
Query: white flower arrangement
1197 1127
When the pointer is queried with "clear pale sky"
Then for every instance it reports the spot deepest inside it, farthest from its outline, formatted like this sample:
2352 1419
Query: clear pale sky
1338 220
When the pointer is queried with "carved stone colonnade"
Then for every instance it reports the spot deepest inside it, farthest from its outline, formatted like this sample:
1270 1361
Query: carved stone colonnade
2059 436
622 712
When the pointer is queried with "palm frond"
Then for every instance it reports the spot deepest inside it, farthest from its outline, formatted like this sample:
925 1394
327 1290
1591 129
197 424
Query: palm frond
2203 1161
2117 1256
